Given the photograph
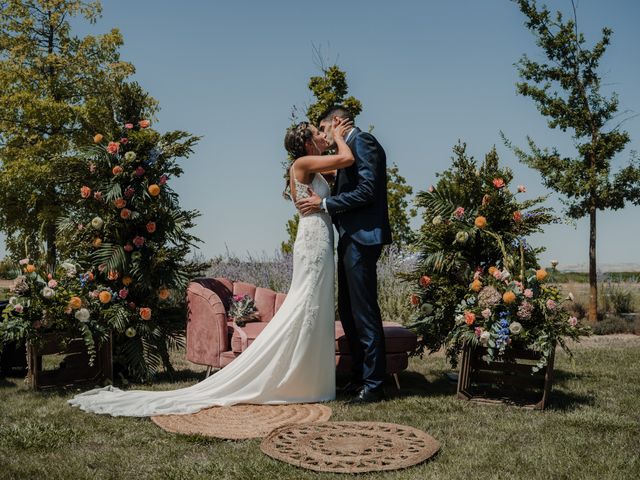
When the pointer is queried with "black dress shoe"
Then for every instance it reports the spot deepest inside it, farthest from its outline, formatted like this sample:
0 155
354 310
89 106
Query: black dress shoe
366 395
351 388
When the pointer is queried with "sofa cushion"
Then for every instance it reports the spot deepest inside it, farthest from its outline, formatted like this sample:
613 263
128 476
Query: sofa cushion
265 300
397 338
251 330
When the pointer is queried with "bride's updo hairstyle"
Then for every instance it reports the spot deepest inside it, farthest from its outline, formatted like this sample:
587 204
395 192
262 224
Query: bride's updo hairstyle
296 138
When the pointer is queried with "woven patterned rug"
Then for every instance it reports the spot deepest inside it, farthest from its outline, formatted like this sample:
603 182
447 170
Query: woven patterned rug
350 447
242 421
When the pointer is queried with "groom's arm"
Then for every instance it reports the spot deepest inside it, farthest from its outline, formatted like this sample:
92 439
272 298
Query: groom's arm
369 155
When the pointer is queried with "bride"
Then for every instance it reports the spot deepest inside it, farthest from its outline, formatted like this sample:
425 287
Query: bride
293 359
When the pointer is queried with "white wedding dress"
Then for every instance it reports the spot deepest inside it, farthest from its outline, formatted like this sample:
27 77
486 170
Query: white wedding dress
291 361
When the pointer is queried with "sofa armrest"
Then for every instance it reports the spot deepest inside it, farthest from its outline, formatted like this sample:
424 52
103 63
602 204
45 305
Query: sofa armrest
207 335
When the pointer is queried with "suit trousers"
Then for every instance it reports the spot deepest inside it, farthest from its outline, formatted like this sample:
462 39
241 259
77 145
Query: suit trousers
359 310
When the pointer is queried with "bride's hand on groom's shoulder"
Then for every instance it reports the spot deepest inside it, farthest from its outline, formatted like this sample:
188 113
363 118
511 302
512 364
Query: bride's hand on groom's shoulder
309 205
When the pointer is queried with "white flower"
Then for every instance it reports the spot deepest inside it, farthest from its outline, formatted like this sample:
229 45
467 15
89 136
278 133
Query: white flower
459 318
13 301
97 223
130 156
18 308
570 296
24 261
484 338
130 332
462 236
70 268
48 292
82 315
437 220
505 275
515 328
486 313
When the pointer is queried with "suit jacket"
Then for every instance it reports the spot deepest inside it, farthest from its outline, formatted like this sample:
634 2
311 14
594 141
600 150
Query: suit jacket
358 202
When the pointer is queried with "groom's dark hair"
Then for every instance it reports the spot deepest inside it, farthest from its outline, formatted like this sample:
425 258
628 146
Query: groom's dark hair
336 111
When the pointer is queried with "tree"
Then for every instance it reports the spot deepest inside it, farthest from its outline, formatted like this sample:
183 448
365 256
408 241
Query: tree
566 90
399 212
330 89
56 91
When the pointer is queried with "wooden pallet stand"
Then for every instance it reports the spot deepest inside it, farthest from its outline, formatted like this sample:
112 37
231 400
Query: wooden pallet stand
505 382
73 359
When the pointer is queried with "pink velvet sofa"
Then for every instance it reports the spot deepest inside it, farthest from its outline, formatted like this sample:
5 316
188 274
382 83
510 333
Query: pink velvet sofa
215 341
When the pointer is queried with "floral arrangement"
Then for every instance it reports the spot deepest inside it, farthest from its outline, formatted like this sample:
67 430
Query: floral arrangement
477 279
64 300
243 310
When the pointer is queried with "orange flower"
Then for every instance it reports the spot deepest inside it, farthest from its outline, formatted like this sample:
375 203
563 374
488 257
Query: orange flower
425 281
125 213
492 270
113 147
145 313
509 297
517 216
96 242
120 202
476 285
415 300
104 296
541 274
90 276
151 227
469 318
113 275
498 182
75 303
117 170
480 222
85 192
127 280
164 293
97 138
144 123
154 190
30 268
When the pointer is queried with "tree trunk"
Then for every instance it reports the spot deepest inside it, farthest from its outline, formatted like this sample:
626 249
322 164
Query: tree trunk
593 274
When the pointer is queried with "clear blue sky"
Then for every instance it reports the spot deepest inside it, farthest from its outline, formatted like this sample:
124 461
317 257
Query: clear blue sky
427 72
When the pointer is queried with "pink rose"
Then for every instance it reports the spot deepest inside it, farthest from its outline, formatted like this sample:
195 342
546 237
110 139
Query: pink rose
18 308
124 140
478 331
123 293
431 189
528 293
52 284
522 188
573 321
138 241
486 313
129 191
139 171
459 212
237 298
163 179
24 261
92 167
128 126
551 305
498 183
94 294
97 196
497 274
128 247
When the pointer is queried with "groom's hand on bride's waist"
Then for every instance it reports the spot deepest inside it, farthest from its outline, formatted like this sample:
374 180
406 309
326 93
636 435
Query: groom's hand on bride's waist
309 205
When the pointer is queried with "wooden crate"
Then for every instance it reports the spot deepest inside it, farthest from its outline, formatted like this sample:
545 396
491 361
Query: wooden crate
511 381
74 368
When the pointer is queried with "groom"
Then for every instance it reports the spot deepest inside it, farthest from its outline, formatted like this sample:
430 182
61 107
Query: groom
359 210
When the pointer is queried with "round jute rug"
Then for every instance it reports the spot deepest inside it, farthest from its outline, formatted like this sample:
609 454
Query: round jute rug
350 447
242 421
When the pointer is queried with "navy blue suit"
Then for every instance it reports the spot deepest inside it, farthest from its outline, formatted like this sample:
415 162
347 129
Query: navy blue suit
359 210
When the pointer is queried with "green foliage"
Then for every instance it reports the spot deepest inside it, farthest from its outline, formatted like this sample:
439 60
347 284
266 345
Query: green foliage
398 193
567 90
330 89
292 231
55 90
472 244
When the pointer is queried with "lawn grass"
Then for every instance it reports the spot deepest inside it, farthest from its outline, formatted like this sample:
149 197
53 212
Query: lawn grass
590 430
